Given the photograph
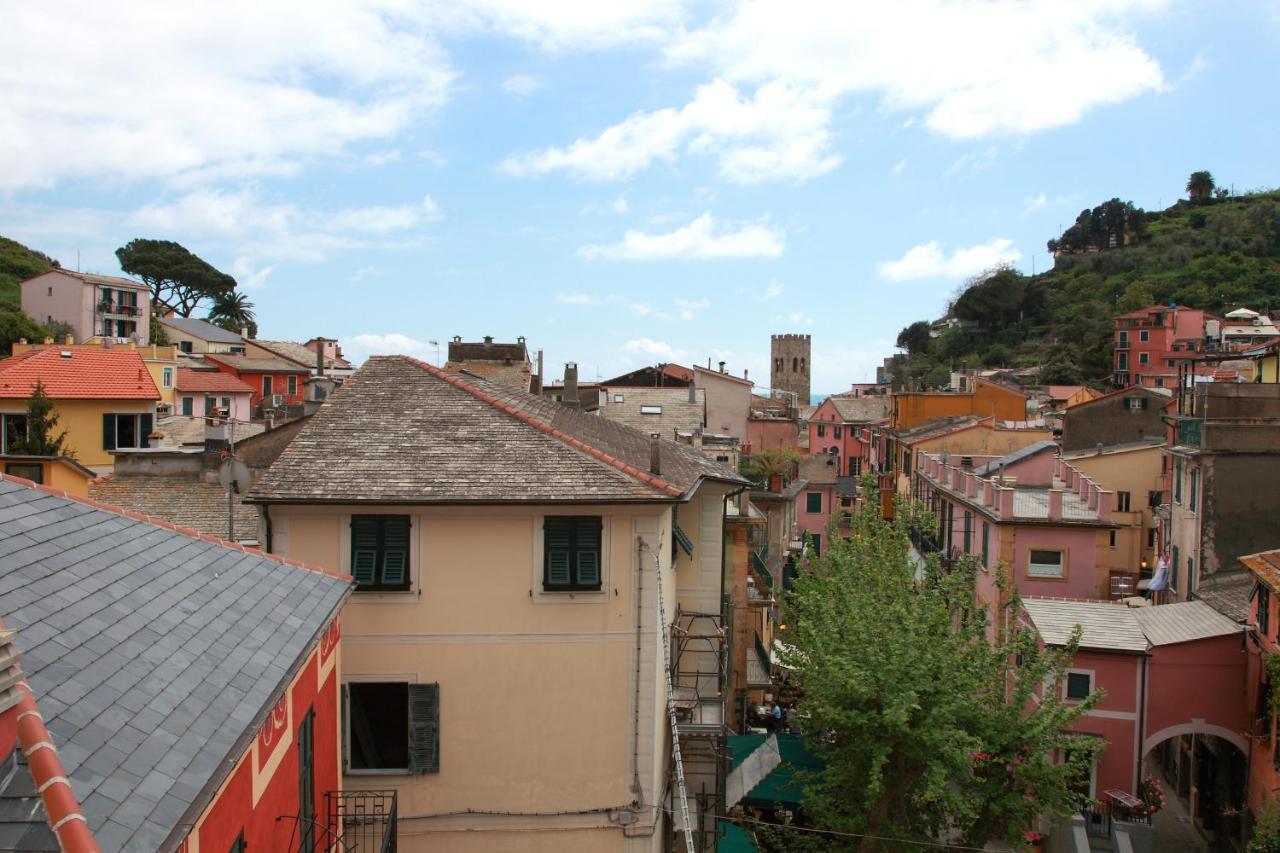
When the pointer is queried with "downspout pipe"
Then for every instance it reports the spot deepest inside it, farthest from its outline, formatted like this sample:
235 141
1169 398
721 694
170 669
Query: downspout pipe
266 524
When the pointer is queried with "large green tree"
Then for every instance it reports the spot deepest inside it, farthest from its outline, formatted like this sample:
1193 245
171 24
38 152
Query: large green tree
929 716
42 420
1200 186
915 338
15 325
233 312
178 279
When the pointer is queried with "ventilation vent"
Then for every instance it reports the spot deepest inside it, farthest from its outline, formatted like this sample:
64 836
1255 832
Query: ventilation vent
10 674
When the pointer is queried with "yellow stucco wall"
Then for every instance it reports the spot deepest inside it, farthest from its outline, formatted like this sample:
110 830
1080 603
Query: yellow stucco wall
982 440
82 419
537 690
1137 472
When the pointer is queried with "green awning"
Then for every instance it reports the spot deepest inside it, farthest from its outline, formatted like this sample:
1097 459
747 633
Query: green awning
782 786
731 838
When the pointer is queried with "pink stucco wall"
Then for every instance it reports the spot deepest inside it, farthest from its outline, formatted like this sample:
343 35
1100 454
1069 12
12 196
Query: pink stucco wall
71 302
240 408
1035 471
1200 680
1083 576
771 434
815 522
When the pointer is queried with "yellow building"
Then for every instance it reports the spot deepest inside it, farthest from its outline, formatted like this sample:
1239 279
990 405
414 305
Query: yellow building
959 437
104 398
59 472
511 552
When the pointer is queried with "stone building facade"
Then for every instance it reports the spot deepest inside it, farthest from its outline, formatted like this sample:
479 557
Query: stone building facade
790 366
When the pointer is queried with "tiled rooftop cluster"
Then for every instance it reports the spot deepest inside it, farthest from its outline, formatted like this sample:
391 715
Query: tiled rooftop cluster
1072 497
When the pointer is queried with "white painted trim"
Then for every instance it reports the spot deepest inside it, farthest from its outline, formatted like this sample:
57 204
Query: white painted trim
1093 680
1112 715
542 596
1196 726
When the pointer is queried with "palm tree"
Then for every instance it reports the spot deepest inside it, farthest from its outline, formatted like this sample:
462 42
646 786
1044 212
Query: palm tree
1200 186
233 311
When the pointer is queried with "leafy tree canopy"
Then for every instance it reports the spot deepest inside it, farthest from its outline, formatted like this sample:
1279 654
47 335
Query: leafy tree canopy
17 264
1200 186
14 325
922 708
915 338
177 278
233 311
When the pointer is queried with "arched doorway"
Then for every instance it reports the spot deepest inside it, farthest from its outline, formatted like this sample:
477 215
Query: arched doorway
1204 771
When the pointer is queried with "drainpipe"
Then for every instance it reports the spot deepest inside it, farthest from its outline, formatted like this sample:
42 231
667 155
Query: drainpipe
266 523
1142 724
636 788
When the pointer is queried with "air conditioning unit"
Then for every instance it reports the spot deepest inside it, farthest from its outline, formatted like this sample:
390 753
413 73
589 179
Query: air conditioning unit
163 410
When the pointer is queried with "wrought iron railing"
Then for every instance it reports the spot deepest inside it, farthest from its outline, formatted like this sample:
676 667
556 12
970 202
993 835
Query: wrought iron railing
364 821
1189 432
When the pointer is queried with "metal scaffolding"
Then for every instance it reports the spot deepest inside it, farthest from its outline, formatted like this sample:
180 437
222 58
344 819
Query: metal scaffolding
700 665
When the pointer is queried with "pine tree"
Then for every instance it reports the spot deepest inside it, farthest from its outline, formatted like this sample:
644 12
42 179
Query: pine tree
42 419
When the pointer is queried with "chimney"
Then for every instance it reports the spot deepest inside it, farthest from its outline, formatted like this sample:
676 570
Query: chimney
693 393
655 454
244 331
570 397
488 339
71 339
320 342
48 341
107 342
744 373
722 367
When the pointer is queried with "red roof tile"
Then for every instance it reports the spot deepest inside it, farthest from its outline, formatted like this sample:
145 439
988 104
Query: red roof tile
86 374
190 379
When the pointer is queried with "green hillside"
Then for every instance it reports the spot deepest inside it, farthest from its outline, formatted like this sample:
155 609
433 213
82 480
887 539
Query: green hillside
18 263
1218 254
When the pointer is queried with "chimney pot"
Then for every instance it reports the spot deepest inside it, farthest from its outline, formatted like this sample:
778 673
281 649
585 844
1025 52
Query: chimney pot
693 393
655 454
244 331
722 367
744 373
71 339
457 339
320 342
48 340
488 339
569 397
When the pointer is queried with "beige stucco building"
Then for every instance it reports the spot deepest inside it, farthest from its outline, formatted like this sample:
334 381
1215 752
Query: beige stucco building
92 305
728 401
510 551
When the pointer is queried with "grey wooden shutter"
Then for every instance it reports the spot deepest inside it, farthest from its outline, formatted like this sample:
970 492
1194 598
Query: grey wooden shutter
395 551
364 549
557 537
108 432
587 548
424 728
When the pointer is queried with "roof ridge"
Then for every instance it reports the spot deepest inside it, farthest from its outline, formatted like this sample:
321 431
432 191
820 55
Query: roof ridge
577 444
62 808
169 525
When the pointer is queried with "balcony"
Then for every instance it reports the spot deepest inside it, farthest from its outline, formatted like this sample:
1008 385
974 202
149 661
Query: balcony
1189 432
1122 344
358 821
119 310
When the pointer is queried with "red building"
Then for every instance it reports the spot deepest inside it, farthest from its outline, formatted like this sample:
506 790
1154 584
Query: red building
276 380
834 429
1264 642
191 687
1149 341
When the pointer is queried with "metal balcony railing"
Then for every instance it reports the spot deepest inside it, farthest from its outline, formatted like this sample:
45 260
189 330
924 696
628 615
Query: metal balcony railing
362 821
117 308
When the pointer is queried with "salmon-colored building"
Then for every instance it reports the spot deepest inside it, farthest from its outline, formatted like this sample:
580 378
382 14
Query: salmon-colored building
1263 631
276 380
835 429
986 399
1149 341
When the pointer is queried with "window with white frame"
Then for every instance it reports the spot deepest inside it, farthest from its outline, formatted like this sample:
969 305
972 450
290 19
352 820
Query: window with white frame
1044 563
166 377
1079 685
392 727
650 409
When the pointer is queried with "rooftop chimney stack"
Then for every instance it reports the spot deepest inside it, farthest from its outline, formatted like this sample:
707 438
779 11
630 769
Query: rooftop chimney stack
71 339
488 339
693 393
655 454
570 396
320 344
722 367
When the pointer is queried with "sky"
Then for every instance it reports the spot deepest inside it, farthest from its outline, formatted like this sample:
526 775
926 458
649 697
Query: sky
621 183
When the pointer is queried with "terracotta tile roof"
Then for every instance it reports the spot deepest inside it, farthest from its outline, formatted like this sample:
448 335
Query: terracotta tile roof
157 652
1266 565
403 431
181 500
210 380
248 364
298 352
87 374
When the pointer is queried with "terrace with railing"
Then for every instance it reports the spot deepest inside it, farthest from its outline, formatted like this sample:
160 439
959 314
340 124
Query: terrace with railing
1069 497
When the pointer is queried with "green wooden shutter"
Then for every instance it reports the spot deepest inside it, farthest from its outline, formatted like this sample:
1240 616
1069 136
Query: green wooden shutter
557 535
424 728
587 546
344 714
108 432
364 549
145 423
395 551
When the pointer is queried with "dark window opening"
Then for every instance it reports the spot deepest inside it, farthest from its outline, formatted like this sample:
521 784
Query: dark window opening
571 552
379 723
26 470
380 552
1079 685
813 502
14 434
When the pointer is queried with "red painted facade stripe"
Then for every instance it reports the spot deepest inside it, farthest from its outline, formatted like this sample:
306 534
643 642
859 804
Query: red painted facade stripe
186 531
457 382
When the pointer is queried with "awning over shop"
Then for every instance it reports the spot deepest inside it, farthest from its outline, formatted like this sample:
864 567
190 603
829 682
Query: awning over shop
731 838
768 781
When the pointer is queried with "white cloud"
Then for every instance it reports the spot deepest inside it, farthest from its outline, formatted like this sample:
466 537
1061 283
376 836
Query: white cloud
576 299
365 273
773 291
620 205
796 318
1032 203
383 157
357 348
928 260
689 308
780 132
379 219
699 240
659 350
520 84
898 167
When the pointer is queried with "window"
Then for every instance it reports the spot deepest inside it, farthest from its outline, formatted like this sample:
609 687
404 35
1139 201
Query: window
838 430
855 467
822 430
293 386
1113 537
571 551
125 432
1159 381
795 364
393 726
238 846
906 463
619 398
1154 498
266 386
1144 358
817 544
1194 476
813 502
1151 537
187 406
1122 502
1124 339
986 532
380 552
1177 481
968 530
307 782
1079 685
185 346
226 404
166 377
210 403
722 458
650 409
1264 611
26 470
1144 336
13 432
1122 361
1044 564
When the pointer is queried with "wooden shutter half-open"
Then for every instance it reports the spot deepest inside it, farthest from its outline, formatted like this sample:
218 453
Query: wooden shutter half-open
395 551
587 546
424 728
364 550
557 535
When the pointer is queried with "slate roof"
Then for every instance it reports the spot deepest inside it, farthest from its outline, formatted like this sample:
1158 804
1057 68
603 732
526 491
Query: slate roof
1116 627
1228 593
201 329
820 469
298 352
249 364
181 500
86 374
403 431
218 381
180 429
938 427
154 654
1015 457
24 824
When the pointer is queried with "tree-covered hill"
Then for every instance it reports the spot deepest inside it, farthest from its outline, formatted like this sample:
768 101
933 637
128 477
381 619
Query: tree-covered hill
1218 253
17 264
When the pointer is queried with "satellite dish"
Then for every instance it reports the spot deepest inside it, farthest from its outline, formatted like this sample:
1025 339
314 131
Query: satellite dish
233 471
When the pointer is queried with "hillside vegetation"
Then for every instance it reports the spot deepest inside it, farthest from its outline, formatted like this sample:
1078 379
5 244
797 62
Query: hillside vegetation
18 263
1217 253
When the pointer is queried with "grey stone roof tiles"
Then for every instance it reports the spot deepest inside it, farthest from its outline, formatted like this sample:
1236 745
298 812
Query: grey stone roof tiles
400 432
151 653
180 499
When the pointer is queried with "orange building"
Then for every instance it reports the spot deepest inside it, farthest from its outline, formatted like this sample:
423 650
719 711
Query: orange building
987 400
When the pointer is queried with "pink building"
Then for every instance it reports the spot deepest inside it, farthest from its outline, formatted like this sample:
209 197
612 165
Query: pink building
92 305
835 428
198 393
825 490
1149 341
1044 521
1175 703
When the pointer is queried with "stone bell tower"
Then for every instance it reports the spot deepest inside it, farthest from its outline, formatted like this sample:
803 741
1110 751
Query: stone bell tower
790 366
